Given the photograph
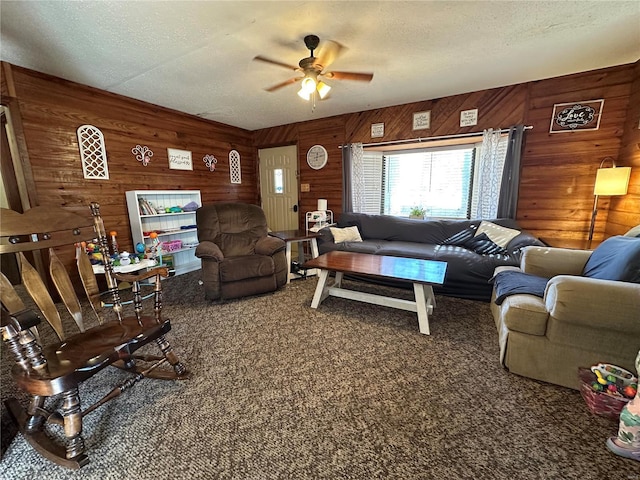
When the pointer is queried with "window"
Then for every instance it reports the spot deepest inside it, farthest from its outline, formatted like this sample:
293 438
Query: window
445 181
278 183
438 180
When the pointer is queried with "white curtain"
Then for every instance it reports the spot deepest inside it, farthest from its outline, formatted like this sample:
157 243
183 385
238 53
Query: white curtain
357 177
489 176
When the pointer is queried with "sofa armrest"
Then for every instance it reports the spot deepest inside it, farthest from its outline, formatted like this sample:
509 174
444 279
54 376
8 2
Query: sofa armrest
549 262
594 303
209 250
269 245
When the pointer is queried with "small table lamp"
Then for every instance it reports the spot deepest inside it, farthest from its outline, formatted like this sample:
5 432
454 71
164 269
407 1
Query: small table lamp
609 181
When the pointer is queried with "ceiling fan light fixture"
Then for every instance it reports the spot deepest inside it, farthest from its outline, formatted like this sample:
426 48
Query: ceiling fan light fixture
323 89
302 93
308 85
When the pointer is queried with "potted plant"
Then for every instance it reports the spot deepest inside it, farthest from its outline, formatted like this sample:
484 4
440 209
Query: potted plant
417 212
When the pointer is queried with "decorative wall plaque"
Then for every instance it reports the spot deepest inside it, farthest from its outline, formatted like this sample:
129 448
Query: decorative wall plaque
210 161
569 117
422 120
234 167
92 153
469 118
179 159
143 154
377 130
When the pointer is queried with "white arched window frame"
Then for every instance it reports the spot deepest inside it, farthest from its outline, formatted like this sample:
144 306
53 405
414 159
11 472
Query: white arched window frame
93 153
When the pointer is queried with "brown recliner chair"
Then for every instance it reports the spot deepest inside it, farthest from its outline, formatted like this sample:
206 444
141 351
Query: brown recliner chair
238 257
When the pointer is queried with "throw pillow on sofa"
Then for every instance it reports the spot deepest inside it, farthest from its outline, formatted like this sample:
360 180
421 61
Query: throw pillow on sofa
462 236
617 258
498 234
483 245
347 234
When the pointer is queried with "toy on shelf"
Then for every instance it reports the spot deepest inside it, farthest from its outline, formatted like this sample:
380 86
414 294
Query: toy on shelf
627 443
156 248
125 259
114 244
93 251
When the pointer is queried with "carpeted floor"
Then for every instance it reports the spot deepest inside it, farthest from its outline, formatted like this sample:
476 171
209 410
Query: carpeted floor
348 391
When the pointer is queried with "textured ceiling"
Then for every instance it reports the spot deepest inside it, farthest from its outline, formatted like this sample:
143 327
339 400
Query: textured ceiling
196 57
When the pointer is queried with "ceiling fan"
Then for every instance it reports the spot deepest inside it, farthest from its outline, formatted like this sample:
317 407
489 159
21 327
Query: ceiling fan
315 67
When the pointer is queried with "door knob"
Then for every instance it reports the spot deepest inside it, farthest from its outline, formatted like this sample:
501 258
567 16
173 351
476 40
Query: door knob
295 208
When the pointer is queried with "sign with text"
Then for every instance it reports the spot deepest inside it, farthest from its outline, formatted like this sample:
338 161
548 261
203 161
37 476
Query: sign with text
377 130
469 118
569 117
422 120
179 159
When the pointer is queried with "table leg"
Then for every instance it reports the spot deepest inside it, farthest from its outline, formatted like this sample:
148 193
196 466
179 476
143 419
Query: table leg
288 253
321 289
314 248
338 280
425 301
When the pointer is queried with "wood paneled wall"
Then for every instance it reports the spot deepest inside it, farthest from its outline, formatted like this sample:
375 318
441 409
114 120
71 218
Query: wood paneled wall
52 109
558 170
624 211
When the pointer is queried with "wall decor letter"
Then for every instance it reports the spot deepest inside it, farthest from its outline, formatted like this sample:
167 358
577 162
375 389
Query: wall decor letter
179 159
234 167
143 154
210 161
92 152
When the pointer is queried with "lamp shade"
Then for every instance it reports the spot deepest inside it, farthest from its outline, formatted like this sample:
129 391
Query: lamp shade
612 181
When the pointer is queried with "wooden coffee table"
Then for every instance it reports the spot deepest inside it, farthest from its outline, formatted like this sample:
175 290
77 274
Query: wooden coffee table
422 273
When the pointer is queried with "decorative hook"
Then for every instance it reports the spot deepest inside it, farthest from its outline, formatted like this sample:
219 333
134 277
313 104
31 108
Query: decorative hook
210 161
143 154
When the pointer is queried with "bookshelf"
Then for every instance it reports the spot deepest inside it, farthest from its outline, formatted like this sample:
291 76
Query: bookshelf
175 229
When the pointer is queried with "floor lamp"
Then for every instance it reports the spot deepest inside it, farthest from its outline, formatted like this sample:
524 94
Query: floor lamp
609 181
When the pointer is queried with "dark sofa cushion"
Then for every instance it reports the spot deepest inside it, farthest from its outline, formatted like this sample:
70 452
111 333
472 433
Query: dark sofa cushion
617 258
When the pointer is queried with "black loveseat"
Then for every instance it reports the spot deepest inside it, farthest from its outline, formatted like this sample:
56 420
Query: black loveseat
471 259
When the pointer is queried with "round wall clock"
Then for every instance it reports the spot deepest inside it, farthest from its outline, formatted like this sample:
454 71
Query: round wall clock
317 157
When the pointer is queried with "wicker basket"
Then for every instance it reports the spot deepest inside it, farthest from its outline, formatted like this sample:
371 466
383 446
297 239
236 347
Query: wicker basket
600 403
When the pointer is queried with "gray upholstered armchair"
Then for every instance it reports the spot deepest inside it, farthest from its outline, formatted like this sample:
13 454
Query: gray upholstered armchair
238 257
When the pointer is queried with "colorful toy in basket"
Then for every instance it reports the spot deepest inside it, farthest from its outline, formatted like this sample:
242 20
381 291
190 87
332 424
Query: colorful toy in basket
627 443
614 380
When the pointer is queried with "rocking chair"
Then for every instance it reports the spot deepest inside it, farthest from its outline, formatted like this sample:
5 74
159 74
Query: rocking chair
57 369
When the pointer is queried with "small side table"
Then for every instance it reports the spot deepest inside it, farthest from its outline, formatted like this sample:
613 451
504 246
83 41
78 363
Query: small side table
572 243
297 236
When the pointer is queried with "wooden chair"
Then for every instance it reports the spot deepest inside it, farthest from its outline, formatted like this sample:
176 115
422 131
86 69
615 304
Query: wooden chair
58 368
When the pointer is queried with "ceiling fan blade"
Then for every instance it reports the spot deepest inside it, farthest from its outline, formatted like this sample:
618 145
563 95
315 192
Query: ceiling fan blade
328 53
283 84
360 77
275 62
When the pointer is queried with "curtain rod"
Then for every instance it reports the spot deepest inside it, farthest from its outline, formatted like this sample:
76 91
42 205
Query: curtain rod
441 137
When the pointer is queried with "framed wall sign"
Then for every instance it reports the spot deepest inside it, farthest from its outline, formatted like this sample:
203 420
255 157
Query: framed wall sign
569 117
179 159
469 118
422 120
377 130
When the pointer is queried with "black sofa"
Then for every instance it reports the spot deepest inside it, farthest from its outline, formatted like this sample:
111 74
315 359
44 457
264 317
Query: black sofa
471 259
